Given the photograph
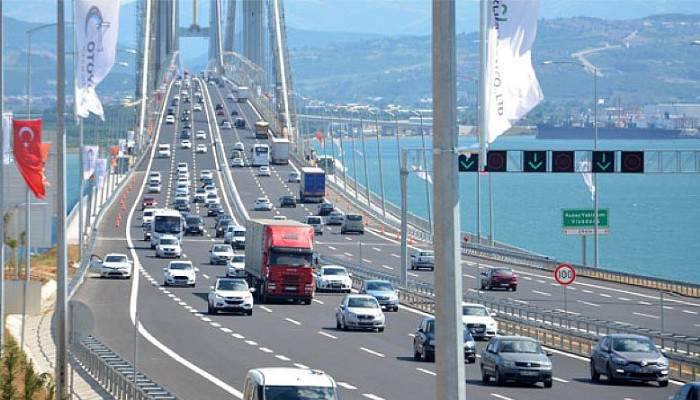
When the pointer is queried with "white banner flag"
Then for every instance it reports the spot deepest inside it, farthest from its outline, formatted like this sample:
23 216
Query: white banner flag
96 29
100 170
89 159
587 175
6 133
512 86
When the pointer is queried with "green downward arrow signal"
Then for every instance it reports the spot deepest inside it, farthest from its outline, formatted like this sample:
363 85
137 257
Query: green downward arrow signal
534 164
603 164
467 165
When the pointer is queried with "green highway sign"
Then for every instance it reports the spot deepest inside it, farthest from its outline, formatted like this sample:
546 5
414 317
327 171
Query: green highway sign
580 221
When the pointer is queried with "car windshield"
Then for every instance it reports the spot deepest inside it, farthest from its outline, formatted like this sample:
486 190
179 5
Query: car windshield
474 311
168 224
426 253
380 286
194 220
168 241
211 195
354 218
116 259
239 258
299 393
148 213
222 248
520 346
362 302
633 345
237 285
239 233
180 266
200 190
334 271
291 259
502 272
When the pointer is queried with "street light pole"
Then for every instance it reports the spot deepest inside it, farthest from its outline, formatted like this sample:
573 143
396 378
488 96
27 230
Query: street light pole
379 159
425 170
364 151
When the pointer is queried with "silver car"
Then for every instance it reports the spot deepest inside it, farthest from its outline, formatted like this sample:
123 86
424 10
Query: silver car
515 358
383 291
359 311
625 357
336 217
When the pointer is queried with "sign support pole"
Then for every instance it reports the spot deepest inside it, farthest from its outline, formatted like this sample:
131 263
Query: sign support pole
584 250
566 306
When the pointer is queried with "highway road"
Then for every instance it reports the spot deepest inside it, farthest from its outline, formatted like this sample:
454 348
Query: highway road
197 356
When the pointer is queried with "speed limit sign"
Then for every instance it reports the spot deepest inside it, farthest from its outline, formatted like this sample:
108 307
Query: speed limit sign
565 274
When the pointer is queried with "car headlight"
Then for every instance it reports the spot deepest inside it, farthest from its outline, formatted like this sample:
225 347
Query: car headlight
352 315
662 362
469 343
509 363
619 361
218 297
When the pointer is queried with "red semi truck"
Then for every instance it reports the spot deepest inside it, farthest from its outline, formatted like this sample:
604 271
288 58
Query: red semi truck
278 259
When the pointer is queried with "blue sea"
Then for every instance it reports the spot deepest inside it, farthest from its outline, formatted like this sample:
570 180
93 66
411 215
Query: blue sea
654 218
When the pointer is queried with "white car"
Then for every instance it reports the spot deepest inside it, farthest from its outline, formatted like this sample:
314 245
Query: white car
186 144
170 119
147 215
153 187
237 162
262 204
210 189
293 177
333 278
179 273
182 196
239 146
336 217
231 295
316 222
154 176
212 198
182 168
359 311
479 321
220 254
278 381
226 125
206 174
182 188
168 246
264 171
115 265
196 107
201 148
200 134
230 97
164 151
200 195
236 266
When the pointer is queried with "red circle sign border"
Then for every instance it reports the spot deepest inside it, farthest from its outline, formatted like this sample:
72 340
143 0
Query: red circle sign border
562 266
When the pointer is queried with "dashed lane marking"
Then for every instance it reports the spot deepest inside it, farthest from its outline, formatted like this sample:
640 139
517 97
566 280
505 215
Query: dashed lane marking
541 293
281 357
425 371
328 335
318 301
372 396
302 366
372 352
265 350
251 342
345 385
588 303
295 322
645 315
266 309
554 378
500 396
386 266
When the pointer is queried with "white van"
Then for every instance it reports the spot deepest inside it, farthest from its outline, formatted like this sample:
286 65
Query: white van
316 222
164 150
289 383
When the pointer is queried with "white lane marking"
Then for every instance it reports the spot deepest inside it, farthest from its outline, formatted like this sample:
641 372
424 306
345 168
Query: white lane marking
527 278
215 324
345 385
412 335
281 357
554 378
176 299
520 301
623 298
541 293
318 301
586 291
425 371
386 266
367 260
567 312
302 366
295 322
331 247
668 308
265 308
644 303
206 319
328 335
540 281
376 249
205 276
645 315
265 350
226 330
372 396
690 312
588 303
238 336
133 297
499 396
372 352
412 274
571 287
348 254
395 255
251 342
469 276
604 295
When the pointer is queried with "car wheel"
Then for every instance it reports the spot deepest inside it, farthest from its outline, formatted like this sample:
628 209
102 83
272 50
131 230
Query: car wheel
337 324
610 376
471 360
482 286
416 355
485 378
193 285
663 383
211 310
249 313
342 324
165 283
595 376
499 378
380 329
548 384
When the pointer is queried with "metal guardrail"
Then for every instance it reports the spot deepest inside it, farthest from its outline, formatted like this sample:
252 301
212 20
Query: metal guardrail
115 374
573 333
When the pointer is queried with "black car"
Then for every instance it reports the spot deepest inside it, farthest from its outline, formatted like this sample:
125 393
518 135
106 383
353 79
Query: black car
187 125
626 357
239 123
215 210
234 113
288 201
195 225
185 134
424 342
324 209
186 99
171 111
689 391
182 205
221 225
174 102
219 106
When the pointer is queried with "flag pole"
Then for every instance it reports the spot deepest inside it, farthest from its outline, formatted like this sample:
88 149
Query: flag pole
481 111
2 198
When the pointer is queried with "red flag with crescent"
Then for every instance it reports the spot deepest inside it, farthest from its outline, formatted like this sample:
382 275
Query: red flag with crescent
319 136
30 154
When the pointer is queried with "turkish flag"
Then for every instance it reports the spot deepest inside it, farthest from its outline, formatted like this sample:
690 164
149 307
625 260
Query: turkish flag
30 154
319 136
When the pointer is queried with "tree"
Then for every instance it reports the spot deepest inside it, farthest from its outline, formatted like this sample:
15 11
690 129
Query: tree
10 241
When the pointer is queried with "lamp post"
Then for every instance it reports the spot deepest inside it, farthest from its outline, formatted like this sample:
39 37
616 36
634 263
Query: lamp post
425 169
364 158
596 249
379 160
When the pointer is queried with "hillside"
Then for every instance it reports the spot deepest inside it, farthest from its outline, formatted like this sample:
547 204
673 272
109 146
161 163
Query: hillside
640 61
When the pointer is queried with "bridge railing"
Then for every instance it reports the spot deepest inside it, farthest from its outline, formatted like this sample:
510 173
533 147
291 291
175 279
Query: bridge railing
572 333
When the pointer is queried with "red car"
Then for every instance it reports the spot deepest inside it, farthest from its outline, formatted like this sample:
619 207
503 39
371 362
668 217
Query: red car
148 202
220 112
500 277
